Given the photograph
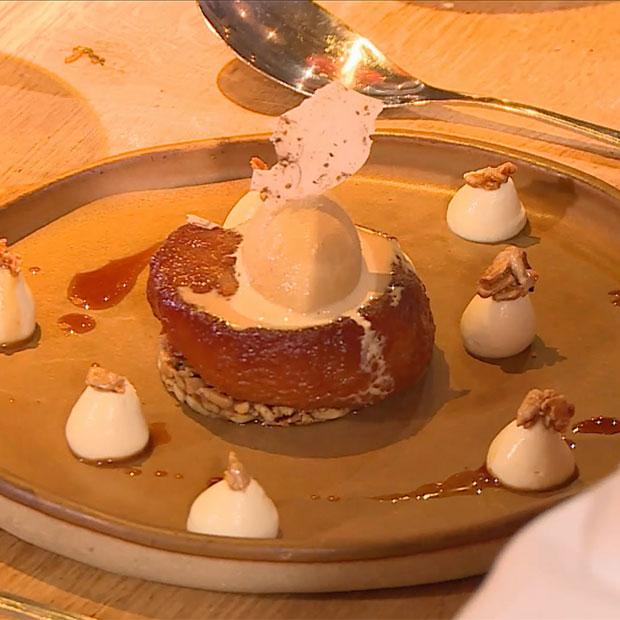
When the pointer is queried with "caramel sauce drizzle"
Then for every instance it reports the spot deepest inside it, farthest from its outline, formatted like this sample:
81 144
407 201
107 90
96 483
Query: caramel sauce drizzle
467 482
110 284
598 426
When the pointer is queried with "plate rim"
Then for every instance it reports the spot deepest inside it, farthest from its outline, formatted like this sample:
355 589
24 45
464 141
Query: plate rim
428 135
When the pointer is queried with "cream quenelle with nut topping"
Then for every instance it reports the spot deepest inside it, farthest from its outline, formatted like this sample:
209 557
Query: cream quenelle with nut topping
487 208
235 506
530 454
106 423
289 313
17 308
500 320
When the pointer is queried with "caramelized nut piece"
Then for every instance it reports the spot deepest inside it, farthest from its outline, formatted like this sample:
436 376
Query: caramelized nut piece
256 163
547 405
236 475
9 260
509 276
82 50
490 178
105 380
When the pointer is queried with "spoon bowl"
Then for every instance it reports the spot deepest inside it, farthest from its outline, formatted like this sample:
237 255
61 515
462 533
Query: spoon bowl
303 47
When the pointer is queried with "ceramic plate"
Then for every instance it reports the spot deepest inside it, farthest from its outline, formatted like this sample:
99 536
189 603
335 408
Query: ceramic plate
324 477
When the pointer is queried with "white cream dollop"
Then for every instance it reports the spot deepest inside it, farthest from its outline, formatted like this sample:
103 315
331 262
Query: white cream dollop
107 425
222 510
497 329
17 308
530 459
486 216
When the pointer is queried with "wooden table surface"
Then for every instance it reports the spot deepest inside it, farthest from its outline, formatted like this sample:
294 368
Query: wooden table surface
166 79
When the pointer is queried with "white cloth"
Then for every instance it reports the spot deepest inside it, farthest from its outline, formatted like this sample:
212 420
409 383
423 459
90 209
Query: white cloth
564 565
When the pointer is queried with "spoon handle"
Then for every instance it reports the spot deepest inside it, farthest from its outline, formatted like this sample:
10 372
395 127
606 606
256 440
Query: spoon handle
600 132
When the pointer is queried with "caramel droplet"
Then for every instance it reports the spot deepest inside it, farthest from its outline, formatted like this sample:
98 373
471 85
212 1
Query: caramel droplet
74 323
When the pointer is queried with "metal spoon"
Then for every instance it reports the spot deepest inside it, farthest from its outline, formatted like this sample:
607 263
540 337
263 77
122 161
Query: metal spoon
302 46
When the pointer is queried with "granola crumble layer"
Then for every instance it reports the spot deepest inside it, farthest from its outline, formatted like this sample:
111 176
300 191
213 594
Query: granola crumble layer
188 387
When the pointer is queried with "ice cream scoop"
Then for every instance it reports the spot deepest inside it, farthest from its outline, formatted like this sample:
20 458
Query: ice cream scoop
106 423
304 255
235 506
530 454
17 307
487 208
500 321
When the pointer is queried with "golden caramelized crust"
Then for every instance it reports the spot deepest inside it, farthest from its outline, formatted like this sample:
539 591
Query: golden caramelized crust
549 406
490 178
197 257
308 368
9 260
509 276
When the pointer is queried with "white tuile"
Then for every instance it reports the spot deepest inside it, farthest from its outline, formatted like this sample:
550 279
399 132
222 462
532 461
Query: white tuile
319 144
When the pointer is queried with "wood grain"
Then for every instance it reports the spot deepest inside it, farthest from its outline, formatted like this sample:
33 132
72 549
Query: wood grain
167 79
